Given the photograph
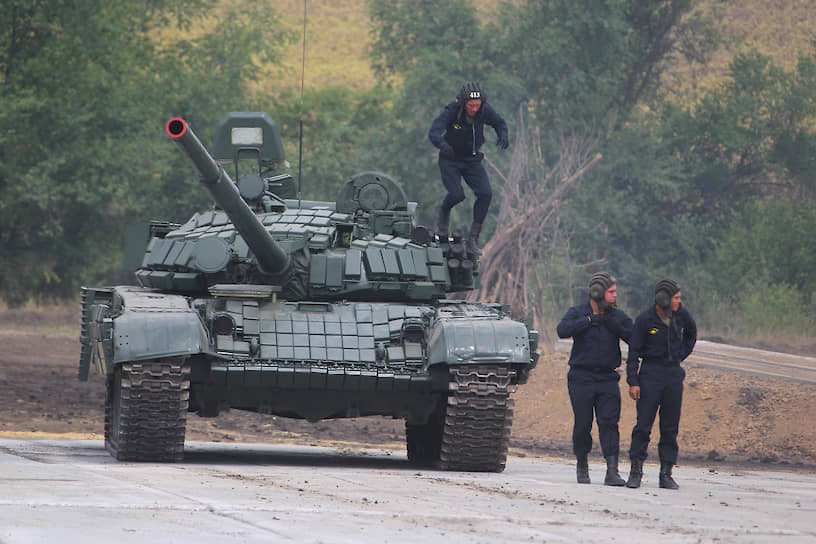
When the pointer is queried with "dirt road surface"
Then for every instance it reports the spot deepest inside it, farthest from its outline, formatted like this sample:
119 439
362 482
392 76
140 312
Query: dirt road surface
728 416
71 491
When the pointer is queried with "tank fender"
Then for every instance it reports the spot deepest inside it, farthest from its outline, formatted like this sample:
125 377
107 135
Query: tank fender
458 341
153 324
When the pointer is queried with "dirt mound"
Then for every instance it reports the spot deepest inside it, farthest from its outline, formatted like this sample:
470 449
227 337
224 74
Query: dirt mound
727 416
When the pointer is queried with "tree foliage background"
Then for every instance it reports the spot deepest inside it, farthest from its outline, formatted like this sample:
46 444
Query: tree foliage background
85 87
712 185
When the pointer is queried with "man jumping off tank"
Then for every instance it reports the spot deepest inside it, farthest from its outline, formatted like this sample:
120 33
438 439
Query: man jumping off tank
458 132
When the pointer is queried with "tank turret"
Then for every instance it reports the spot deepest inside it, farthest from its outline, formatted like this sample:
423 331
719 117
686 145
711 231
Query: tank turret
363 245
272 259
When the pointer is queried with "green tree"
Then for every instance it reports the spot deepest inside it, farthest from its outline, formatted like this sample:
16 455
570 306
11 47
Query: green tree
337 128
426 51
675 169
587 65
84 92
768 242
581 69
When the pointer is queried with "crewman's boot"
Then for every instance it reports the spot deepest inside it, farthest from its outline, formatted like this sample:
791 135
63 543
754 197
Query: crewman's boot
582 470
666 480
635 473
472 243
612 476
442 224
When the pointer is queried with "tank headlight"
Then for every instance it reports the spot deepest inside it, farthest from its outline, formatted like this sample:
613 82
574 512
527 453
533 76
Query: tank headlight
223 324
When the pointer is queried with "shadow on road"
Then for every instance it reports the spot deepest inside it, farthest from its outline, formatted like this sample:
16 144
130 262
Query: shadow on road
92 452
285 455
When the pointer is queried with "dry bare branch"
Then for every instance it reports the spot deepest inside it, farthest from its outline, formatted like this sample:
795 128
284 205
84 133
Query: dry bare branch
529 233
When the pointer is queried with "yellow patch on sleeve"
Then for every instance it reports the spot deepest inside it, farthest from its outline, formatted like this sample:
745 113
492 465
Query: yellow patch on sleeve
653 331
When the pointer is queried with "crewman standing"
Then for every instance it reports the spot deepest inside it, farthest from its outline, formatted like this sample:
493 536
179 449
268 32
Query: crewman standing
664 335
596 328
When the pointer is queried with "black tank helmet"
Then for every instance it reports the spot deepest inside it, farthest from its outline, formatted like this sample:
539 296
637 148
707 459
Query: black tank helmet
598 284
469 91
664 291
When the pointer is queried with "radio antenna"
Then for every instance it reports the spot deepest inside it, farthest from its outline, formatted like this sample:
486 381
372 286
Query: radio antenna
300 121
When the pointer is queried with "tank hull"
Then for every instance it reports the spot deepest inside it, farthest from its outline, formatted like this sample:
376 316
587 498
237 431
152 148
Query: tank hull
423 363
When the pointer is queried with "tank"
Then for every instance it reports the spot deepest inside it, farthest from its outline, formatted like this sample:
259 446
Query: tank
302 309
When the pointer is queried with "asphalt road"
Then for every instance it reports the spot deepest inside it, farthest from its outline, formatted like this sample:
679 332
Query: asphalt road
797 368
73 492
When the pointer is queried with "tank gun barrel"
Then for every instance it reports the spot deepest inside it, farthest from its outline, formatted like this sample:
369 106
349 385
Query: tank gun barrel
272 259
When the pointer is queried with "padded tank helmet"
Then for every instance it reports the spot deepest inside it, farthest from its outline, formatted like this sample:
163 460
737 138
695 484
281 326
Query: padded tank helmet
664 291
471 91
598 284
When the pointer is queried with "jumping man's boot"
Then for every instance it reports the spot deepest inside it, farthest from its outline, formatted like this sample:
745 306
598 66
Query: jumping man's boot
666 480
472 243
582 470
442 223
612 476
635 473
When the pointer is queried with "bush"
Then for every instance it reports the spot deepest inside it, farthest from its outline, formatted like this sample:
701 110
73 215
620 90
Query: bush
779 313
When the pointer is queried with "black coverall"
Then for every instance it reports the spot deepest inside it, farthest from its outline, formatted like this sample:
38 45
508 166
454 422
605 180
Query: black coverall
661 348
592 380
465 139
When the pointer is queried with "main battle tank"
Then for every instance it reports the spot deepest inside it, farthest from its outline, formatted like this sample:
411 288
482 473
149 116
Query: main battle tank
303 309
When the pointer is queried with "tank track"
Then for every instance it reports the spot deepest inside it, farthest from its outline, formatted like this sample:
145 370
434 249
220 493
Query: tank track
478 418
146 410
470 430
